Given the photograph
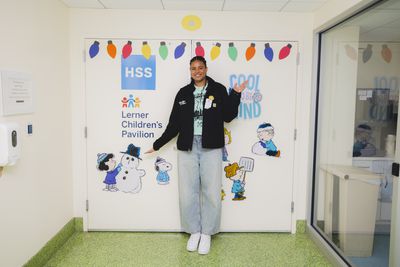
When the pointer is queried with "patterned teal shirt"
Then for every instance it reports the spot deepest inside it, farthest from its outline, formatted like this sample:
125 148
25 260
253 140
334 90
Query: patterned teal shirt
198 94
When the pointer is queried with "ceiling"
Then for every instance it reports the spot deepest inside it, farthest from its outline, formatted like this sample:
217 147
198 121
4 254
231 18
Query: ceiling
209 5
381 23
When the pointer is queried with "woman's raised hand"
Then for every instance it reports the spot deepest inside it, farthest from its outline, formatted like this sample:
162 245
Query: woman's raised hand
240 88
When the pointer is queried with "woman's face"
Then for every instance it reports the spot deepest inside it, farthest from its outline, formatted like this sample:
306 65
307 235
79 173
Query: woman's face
198 71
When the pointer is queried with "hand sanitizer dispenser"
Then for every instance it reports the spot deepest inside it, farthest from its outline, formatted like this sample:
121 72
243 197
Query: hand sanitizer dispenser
9 143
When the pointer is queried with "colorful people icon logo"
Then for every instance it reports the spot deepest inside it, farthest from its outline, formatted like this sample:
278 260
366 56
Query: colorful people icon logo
137 102
124 102
131 101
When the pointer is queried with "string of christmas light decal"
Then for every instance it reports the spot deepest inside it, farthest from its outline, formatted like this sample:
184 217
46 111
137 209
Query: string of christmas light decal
386 53
232 51
285 51
111 49
199 51
268 52
94 49
250 51
127 49
215 51
179 50
163 50
146 50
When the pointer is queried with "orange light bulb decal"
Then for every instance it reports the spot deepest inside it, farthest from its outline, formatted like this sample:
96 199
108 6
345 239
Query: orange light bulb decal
386 53
111 49
250 51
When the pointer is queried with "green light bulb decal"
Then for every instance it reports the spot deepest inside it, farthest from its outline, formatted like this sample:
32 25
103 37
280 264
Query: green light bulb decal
232 52
163 50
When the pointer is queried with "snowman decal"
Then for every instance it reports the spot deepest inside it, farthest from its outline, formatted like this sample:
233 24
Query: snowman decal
129 178
162 167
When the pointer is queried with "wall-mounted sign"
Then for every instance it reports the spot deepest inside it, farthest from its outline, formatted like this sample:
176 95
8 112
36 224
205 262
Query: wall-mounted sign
138 72
16 92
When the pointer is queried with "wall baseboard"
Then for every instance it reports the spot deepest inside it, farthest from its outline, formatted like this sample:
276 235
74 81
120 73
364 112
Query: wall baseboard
301 226
55 243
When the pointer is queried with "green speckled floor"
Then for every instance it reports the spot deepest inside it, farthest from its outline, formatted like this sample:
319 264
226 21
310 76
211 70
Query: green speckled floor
169 249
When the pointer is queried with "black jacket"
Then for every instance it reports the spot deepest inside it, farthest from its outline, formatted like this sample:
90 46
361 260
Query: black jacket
224 108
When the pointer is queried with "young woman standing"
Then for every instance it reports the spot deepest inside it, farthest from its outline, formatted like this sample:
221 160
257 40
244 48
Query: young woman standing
198 115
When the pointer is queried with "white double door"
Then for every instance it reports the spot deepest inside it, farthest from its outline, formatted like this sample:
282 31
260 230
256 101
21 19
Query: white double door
119 117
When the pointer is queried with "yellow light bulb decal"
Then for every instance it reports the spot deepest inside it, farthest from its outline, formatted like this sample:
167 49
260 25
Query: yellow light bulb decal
215 51
146 50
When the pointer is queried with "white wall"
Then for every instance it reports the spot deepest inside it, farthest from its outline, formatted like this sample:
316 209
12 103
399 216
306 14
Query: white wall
36 193
216 26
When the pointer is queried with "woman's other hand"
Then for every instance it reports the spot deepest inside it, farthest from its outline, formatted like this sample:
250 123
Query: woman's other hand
151 150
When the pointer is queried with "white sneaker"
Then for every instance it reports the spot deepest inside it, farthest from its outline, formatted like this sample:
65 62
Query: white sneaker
205 244
193 242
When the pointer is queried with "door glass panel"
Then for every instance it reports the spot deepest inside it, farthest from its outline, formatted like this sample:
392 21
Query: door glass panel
358 99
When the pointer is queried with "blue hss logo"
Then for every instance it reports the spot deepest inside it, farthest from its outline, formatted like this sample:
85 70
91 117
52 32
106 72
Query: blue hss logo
138 73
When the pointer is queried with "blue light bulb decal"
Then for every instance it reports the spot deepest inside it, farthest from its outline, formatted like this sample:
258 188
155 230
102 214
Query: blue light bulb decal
179 50
94 49
268 52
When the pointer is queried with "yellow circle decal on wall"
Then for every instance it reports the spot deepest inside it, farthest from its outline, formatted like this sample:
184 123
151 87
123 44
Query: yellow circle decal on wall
191 22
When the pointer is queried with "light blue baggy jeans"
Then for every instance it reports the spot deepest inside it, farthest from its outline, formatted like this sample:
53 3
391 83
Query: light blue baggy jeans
200 184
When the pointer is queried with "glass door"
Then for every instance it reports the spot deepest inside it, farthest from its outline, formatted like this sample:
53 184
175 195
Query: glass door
355 195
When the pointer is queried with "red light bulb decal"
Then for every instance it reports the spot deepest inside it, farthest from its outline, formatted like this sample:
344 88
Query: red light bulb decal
199 50
127 49
285 51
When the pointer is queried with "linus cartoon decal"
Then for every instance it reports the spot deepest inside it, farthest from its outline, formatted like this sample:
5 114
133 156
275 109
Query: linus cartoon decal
129 178
162 167
265 146
228 140
106 162
236 172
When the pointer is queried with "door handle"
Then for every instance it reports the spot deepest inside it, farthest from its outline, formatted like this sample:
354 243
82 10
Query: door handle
395 169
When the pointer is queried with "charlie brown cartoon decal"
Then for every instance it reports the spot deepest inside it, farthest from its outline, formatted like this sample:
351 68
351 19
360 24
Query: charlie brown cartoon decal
106 162
236 172
265 145
124 177
162 167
